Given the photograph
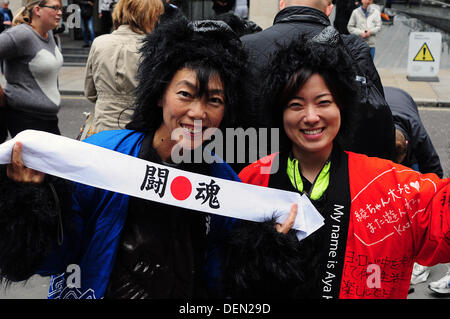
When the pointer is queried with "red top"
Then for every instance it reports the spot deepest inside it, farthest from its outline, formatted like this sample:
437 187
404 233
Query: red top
398 216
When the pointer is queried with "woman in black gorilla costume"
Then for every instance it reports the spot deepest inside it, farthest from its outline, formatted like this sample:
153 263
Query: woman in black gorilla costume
147 250
262 262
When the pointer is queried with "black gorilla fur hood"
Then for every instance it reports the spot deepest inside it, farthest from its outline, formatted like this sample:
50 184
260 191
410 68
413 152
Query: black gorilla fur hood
324 54
176 42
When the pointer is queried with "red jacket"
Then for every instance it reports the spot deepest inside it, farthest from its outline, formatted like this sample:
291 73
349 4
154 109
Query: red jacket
398 216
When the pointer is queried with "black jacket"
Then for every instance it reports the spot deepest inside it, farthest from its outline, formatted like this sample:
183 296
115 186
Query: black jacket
407 118
289 24
87 9
344 9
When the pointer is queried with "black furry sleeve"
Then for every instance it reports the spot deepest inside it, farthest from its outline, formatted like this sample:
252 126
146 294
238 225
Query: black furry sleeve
259 262
30 224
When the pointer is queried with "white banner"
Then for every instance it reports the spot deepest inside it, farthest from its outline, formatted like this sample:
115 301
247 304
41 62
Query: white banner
99 167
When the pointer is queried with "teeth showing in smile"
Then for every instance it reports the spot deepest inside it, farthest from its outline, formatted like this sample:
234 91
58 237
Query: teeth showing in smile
191 129
312 132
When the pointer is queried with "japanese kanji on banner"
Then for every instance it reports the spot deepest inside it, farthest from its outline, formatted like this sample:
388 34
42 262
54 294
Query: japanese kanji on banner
99 167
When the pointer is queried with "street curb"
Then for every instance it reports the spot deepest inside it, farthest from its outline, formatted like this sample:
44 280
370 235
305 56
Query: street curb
443 104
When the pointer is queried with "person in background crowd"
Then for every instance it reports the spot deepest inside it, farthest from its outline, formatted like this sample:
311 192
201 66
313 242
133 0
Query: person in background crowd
113 60
222 6
32 62
413 145
2 26
344 9
7 14
365 21
87 21
6 18
128 247
241 9
379 216
105 9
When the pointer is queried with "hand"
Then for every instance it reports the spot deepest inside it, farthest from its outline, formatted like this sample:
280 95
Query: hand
99 15
289 222
18 172
365 34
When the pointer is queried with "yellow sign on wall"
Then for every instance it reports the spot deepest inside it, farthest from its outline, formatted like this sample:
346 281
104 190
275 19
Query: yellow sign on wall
424 54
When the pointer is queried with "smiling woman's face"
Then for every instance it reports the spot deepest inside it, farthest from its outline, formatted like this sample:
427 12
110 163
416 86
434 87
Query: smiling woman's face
183 107
312 119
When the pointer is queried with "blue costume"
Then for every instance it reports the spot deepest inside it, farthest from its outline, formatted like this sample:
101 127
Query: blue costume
99 219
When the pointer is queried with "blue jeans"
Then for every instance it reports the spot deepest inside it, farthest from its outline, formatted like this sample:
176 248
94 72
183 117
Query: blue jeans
372 52
87 27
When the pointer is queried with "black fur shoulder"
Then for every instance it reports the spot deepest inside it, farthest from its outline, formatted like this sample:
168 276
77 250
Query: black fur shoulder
262 263
30 224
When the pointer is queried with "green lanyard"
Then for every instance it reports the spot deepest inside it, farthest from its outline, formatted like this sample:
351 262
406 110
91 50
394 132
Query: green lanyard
320 184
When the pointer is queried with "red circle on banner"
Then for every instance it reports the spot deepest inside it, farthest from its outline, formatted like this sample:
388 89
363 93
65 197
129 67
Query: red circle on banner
181 188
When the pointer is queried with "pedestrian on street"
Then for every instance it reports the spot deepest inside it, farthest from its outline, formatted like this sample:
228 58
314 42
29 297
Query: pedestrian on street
7 15
223 6
113 60
32 62
87 21
379 216
6 18
128 247
105 9
365 21
414 146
